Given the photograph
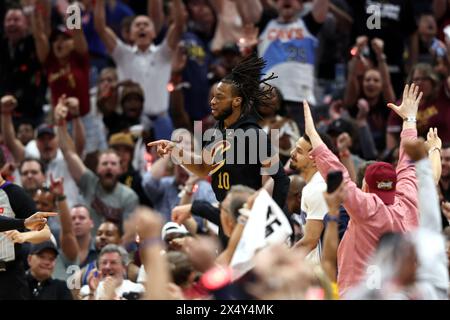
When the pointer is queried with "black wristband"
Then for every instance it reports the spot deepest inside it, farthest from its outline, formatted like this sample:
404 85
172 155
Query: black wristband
61 198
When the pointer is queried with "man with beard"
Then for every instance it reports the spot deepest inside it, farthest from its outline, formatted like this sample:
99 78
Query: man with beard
105 197
313 206
229 157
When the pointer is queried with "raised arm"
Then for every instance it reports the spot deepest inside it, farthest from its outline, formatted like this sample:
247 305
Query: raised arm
430 213
105 33
406 180
356 68
320 10
69 244
40 37
8 104
331 236
367 143
357 201
388 90
177 27
156 13
78 128
149 226
434 145
81 45
250 11
74 162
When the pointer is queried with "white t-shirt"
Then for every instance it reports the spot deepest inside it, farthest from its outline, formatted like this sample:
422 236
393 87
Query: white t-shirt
314 206
126 287
151 69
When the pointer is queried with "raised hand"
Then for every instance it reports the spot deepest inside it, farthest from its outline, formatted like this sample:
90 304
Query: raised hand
335 199
57 186
37 221
148 223
61 110
8 104
310 129
8 169
433 140
344 142
410 102
363 110
73 104
181 213
377 46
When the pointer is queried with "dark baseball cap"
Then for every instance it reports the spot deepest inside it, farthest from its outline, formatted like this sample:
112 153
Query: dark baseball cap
46 245
381 179
339 126
45 129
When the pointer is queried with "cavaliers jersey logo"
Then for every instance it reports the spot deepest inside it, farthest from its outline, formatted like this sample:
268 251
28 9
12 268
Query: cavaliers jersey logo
216 155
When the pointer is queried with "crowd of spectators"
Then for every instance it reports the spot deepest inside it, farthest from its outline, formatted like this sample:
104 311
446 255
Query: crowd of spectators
79 106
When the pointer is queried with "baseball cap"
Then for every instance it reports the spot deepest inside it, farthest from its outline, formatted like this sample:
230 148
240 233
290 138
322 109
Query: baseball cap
381 179
121 139
131 88
339 126
173 227
45 129
38 248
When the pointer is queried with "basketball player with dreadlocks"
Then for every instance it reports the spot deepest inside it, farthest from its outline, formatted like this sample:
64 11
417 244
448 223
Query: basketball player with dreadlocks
234 107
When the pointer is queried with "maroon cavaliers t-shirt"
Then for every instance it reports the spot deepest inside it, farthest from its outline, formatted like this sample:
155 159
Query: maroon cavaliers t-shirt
435 113
71 79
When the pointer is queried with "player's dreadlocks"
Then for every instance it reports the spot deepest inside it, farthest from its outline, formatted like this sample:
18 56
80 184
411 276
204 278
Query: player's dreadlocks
247 81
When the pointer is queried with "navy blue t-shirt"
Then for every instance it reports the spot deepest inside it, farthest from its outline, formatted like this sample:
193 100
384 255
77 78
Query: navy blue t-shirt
196 74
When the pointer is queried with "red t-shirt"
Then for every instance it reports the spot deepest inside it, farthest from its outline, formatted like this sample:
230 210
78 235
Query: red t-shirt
71 79
434 114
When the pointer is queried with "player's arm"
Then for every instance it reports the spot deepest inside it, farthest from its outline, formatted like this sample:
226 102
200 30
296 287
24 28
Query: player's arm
186 158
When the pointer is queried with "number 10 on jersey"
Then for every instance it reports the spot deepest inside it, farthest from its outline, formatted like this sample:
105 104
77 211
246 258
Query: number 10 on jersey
224 181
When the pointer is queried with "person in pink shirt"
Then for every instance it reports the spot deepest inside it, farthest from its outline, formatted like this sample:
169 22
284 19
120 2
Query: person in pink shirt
388 199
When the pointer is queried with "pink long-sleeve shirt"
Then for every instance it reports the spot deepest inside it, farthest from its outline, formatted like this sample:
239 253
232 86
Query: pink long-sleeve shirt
370 218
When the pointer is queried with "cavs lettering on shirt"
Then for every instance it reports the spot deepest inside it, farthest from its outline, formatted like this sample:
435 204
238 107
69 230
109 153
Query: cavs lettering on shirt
109 213
285 34
64 72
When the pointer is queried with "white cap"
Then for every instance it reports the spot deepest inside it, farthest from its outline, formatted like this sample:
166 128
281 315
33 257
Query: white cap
173 227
